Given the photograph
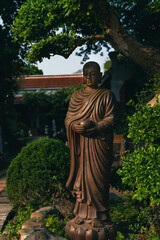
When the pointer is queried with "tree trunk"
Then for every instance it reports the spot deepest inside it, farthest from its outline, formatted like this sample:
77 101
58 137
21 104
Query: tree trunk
147 57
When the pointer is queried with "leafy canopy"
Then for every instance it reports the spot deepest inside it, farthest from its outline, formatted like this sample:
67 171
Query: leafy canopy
58 27
12 65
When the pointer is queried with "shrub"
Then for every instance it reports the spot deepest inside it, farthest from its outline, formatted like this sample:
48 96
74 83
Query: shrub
141 168
144 125
38 173
141 172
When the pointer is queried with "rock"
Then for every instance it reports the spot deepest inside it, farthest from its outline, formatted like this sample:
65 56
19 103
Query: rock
45 211
3 237
34 228
33 222
25 232
37 215
43 234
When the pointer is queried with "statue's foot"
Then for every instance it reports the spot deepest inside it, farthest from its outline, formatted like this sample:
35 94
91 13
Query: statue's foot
77 220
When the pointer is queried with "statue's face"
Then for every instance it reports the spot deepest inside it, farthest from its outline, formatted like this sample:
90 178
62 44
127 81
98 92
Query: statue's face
92 76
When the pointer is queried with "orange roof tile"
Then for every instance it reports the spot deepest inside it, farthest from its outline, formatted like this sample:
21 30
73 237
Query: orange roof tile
51 81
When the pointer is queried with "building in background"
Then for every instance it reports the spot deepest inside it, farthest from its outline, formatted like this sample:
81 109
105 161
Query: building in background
49 83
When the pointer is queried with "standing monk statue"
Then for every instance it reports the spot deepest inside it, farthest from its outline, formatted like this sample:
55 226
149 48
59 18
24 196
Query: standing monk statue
89 125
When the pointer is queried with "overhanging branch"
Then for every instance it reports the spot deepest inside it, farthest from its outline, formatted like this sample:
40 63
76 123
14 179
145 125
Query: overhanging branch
81 41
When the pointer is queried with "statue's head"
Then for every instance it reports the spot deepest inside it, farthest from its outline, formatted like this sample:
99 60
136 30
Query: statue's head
92 74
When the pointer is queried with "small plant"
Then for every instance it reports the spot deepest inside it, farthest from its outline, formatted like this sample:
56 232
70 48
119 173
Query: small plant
38 173
56 223
13 226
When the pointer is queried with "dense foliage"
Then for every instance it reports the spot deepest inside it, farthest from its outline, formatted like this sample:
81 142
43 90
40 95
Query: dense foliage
31 69
38 173
58 27
144 125
38 104
12 66
141 168
135 220
141 171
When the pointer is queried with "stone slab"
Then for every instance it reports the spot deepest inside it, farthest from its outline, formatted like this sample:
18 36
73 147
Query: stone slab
4 200
4 211
1 222
3 180
2 187
3 194
3 217
5 208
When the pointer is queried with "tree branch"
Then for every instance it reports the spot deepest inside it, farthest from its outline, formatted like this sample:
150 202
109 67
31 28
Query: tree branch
81 41
146 56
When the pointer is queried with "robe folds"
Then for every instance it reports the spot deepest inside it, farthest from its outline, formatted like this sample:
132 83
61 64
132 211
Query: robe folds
91 157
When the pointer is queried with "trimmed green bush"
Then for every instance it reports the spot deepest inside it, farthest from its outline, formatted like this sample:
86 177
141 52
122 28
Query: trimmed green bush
144 125
38 173
141 172
141 168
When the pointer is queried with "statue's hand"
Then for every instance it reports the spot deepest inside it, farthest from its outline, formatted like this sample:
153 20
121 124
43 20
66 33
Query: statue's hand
90 128
90 132
88 124
78 128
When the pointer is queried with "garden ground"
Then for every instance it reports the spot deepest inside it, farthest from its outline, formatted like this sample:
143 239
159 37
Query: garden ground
5 206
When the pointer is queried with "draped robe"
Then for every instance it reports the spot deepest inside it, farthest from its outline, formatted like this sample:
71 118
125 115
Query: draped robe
91 157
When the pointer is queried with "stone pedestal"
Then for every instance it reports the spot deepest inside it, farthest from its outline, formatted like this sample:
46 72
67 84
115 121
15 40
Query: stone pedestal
88 232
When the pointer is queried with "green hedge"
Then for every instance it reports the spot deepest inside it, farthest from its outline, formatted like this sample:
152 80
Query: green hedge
38 173
141 168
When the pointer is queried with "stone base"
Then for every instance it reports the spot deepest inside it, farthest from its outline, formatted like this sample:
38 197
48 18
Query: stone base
87 232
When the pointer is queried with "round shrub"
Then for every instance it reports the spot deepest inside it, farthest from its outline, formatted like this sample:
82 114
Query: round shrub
141 172
38 173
